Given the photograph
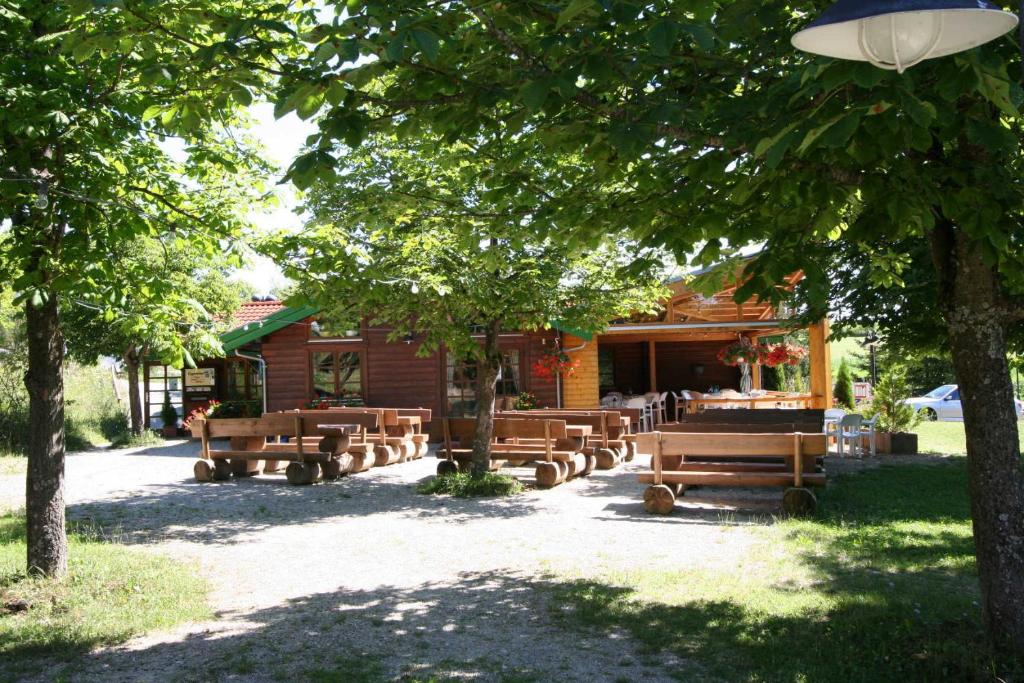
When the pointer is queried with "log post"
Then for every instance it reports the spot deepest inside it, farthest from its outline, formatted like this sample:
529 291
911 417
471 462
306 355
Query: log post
798 466
656 458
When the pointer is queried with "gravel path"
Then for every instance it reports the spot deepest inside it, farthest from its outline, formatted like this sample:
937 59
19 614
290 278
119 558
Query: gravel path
364 570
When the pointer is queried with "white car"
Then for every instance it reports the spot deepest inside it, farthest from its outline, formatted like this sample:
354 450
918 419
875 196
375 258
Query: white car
944 404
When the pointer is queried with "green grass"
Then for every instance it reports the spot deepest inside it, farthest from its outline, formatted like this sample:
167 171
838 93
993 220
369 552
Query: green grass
464 485
129 440
881 586
948 438
111 594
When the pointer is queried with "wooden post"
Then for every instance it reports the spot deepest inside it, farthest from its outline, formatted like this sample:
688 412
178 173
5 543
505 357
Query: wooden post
755 370
821 366
656 458
548 455
605 426
447 437
206 439
383 428
298 438
798 465
652 362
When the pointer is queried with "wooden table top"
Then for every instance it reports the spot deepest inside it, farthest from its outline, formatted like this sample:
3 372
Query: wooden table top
578 430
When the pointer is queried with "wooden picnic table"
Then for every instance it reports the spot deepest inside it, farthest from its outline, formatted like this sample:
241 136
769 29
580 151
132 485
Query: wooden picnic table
715 403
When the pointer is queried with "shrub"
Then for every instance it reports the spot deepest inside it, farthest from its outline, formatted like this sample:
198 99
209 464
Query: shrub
893 414
844 386
464 485
129 440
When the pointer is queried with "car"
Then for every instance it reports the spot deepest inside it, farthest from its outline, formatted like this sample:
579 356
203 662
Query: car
943 403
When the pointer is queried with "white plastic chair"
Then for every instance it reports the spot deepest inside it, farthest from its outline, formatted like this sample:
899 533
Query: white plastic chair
849 432
832 418
663 407
645 412
681 400
611 401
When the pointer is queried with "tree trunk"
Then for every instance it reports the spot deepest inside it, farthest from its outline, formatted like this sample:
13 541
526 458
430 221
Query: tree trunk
486 381
974 310
131 364
44 491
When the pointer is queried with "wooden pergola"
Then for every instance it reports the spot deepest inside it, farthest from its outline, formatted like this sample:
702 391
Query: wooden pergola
687 316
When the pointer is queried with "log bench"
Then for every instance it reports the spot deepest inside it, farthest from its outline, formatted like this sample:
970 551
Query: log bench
608 427
518 441
788 460
391 440
361 448
248 446
420 437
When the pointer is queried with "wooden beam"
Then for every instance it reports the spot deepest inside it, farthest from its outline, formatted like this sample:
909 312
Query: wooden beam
821 365
755 369
652 359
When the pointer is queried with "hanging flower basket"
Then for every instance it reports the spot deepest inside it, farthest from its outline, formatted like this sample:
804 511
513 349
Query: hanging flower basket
784 354
741 352
555 364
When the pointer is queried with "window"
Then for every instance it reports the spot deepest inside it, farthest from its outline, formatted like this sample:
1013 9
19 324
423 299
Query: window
162 380
330 327
244 381
462 382
338 377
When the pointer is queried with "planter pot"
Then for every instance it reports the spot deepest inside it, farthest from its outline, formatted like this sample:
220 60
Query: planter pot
904 443
170 432
883 443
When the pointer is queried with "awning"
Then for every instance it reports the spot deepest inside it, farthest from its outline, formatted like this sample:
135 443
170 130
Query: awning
562 327
250 332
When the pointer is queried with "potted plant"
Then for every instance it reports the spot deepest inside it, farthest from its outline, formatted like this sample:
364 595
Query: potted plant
169 416
895 417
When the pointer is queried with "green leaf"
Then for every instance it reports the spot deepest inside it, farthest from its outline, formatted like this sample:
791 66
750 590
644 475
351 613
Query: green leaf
662 37
151 112
534 94
396 48
427 42
573 10
816 133
701 34
768 143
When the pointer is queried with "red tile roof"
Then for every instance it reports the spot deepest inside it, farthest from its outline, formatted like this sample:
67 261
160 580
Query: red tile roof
254 311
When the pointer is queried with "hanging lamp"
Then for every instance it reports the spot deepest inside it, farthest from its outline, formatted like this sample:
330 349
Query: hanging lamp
897 34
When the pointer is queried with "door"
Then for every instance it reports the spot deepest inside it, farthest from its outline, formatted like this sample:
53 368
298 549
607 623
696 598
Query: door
950 408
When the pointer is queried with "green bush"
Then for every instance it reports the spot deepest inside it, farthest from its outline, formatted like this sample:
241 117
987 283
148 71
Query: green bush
844 387
893 414
128 440
464 485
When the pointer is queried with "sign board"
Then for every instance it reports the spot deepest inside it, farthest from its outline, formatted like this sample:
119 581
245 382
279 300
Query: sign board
200 377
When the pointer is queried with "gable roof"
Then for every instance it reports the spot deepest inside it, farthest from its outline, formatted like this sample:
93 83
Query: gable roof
253 311
257 329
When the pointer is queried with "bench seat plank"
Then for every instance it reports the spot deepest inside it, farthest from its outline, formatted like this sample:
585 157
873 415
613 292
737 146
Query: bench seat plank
733 478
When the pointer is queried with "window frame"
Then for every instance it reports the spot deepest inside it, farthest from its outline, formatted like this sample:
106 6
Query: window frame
336 354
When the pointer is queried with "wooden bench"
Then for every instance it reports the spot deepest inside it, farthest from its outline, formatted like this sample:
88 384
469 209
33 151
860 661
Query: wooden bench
519 441
420 437
392 441
811 416
717 459
309 462
606 442
362 448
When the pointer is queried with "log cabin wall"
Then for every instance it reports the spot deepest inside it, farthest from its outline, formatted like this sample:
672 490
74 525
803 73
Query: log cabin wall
393 375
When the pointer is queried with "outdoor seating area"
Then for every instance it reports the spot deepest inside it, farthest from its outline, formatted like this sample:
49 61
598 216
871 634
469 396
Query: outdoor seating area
607 442
552 446
317 444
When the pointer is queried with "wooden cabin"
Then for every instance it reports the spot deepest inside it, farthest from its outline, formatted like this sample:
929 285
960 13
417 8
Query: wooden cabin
281 358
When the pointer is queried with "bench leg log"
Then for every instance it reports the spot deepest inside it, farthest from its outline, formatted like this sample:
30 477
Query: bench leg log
384 455
203 469
245 468
577 467
407 451
337 466
606 458
272 466
301 473
659 499
421 449
799 502
630 451
551 474
590 466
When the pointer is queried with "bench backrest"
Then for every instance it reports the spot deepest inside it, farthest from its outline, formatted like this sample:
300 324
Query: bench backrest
725 428
390 415
463 429
604 424
814 416
423 414
369 421
752 445
271 424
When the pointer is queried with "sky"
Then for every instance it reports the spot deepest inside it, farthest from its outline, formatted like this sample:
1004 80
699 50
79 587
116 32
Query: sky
282 139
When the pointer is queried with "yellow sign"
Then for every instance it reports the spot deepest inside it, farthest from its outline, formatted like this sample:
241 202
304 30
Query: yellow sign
200 377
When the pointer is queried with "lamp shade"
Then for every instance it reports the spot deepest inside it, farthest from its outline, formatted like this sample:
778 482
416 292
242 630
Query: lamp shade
897 34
